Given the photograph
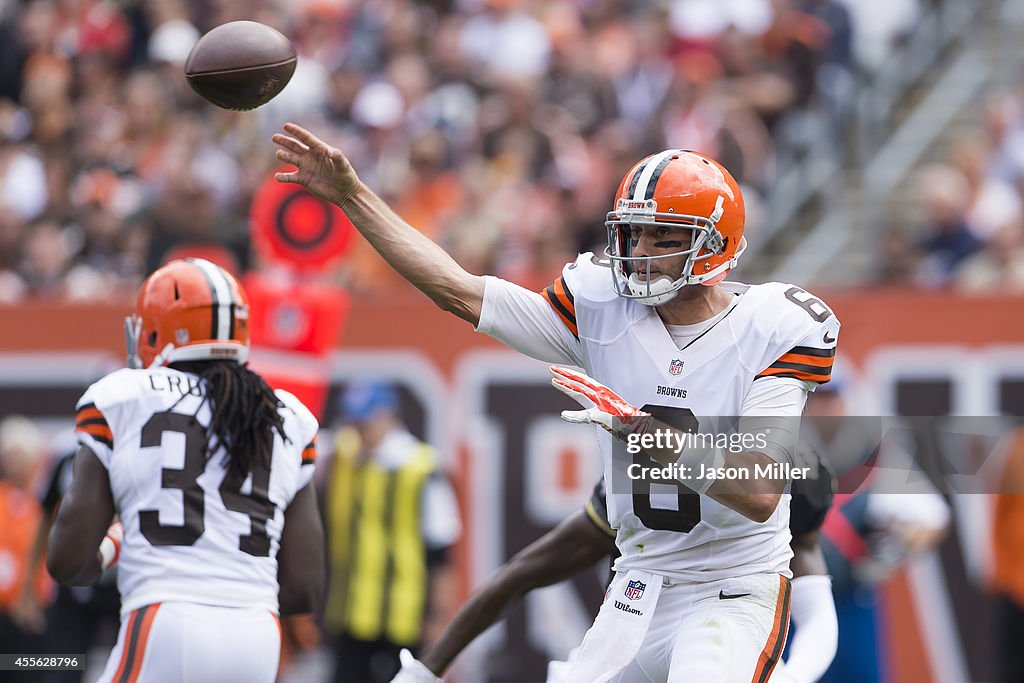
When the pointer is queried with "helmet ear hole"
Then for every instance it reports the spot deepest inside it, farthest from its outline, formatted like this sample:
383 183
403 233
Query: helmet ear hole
152 338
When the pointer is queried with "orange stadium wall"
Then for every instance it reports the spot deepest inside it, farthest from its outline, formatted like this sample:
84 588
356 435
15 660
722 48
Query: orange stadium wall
519 469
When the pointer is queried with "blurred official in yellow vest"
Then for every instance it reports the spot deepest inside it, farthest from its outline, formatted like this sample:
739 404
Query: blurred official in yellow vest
392 517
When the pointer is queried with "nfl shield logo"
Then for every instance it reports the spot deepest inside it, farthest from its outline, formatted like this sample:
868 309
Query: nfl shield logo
675 367
635 589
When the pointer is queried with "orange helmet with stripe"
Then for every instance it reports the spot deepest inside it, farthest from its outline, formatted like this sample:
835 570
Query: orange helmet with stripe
189 309
683 190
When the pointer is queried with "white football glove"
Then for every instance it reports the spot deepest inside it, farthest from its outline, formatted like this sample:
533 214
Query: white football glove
413 670
110 546
606 408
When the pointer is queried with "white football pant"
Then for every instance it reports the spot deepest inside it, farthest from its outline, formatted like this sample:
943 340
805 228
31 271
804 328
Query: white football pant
728 631
179 642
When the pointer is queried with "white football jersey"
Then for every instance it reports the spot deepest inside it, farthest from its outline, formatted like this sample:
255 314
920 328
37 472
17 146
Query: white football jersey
193 531
773 333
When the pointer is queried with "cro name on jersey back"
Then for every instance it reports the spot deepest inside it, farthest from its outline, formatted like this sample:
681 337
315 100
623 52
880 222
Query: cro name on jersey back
186 385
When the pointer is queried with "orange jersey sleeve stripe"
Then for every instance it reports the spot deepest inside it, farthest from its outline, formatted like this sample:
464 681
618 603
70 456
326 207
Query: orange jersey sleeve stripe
805 360
813 351
309 453
561 299
89 420
89 412
777 638
802 362
796 374
100 432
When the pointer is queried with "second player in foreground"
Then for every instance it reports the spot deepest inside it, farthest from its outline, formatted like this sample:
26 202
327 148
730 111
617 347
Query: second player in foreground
702 584
210 472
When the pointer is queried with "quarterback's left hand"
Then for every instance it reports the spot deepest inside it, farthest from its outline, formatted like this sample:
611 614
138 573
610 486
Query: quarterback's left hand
413 670
608 409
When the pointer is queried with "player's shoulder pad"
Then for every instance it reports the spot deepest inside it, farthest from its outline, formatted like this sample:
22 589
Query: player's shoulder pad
589 277
790 314
306 425
791 333
119 386
583 282
103 405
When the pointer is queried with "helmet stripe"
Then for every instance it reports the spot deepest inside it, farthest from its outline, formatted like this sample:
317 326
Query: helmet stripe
235 301
636 175
649 194
231 322
639 190
214 320
220 292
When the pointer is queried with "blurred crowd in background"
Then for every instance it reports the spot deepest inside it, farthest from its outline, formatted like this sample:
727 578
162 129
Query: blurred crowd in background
498 127
971 231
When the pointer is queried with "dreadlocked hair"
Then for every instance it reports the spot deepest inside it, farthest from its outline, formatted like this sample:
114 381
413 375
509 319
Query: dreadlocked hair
244 413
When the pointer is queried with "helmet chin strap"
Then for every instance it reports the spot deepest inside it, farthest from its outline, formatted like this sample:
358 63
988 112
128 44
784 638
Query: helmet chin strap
655 292
162 356
132 331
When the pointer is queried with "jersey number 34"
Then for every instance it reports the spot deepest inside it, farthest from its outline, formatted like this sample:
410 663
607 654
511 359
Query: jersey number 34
256 504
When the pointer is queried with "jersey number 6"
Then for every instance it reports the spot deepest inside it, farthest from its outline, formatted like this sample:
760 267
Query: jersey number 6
256 504
687 512
814 306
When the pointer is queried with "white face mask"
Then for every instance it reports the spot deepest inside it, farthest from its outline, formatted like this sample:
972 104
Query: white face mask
132 330
704 236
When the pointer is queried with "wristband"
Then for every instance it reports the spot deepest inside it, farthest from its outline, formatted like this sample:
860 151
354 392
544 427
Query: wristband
110 546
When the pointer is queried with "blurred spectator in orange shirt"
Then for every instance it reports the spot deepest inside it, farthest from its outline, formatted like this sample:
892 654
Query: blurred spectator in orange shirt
1008 540
21 445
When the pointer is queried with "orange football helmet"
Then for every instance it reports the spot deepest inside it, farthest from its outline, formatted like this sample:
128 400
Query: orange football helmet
189 309
683 190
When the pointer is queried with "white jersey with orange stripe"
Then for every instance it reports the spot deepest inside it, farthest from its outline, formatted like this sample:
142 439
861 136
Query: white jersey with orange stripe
776 340
194 531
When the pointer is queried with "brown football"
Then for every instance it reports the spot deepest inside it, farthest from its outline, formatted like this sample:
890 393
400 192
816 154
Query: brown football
240 65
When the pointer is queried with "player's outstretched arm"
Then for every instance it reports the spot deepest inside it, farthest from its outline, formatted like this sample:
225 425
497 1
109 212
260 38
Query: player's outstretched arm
300 561
324 171
566 550
84 515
